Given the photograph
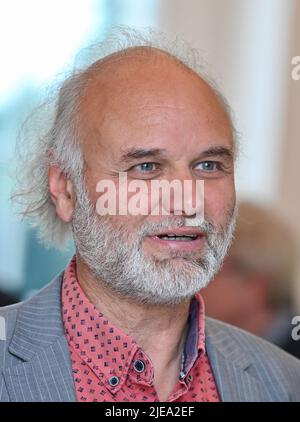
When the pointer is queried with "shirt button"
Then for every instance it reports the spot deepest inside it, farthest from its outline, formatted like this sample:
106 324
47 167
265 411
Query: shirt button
113 381
139 366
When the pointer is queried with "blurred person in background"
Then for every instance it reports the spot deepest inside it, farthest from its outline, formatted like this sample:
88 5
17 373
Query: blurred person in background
254 289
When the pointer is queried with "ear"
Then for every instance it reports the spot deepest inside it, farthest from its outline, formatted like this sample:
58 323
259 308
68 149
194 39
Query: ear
62 193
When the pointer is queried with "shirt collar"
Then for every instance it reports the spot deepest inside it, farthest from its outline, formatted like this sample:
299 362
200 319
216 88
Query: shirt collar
195 338
91 335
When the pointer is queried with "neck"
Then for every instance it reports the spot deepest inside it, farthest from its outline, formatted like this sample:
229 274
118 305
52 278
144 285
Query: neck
159 329
143 322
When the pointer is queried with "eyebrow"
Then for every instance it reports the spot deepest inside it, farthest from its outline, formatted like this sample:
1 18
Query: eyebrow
218 150
138 153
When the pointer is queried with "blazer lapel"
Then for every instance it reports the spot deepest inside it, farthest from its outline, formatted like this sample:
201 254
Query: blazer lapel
45 378
44 372
233 369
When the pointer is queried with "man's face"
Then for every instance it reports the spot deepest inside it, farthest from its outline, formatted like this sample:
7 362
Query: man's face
156 121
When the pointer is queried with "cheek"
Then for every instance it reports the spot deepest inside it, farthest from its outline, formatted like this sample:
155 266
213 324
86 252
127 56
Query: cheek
219 200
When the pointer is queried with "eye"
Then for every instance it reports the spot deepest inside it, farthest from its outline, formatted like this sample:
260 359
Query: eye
145 167
208 166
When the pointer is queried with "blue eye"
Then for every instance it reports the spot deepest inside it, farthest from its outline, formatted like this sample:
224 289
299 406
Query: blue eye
146 167
208 166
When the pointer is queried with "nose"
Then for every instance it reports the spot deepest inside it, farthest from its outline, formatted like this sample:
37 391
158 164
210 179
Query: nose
182 194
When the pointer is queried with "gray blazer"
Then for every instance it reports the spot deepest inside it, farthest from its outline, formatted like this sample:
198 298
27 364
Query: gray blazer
35 361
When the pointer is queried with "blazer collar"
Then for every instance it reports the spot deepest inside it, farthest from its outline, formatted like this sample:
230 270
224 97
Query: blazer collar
234 368
39 322
44 372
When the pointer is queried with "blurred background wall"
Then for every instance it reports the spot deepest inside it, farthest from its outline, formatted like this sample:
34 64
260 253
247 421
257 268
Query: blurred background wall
249 45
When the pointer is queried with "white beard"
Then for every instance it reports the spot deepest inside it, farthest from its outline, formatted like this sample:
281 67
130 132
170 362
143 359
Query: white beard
116 256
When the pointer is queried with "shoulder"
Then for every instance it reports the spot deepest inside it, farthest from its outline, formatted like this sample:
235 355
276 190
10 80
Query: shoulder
268 362
49 296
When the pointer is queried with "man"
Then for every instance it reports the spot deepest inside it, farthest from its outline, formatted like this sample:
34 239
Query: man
125 321
253 290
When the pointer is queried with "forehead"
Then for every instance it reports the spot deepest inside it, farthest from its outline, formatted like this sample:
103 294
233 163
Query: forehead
140 98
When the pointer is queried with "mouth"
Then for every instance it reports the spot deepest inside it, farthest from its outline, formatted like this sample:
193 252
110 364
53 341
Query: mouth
184 238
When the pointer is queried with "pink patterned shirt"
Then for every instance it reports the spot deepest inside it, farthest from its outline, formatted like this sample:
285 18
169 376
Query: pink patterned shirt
108 365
